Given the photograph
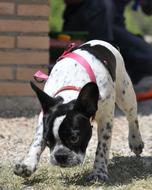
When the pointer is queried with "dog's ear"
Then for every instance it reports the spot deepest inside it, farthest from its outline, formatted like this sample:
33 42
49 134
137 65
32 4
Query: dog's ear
87 101
45 100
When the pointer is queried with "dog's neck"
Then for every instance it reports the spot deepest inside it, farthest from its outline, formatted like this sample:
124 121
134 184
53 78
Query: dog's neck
68 95
73 88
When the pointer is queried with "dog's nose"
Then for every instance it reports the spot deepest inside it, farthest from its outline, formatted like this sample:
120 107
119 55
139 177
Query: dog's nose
61 158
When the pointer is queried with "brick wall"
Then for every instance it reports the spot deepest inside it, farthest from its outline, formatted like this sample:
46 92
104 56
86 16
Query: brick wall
23 44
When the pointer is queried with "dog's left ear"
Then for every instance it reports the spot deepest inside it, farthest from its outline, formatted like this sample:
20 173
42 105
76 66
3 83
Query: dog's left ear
87 101
45 100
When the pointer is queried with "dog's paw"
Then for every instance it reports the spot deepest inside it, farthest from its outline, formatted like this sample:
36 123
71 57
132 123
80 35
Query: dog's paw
136 144
97 176
23 170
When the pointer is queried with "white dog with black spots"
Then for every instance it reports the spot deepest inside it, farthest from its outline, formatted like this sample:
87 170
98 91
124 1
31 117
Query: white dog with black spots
65 125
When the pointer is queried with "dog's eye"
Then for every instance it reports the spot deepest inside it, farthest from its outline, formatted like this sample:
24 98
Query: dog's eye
74 139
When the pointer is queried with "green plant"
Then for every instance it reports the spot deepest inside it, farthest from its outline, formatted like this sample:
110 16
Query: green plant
55 17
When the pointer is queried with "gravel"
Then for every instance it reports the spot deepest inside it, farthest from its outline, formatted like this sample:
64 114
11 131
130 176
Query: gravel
18 118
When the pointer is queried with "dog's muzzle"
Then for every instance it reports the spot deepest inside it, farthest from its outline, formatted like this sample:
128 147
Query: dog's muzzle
64 157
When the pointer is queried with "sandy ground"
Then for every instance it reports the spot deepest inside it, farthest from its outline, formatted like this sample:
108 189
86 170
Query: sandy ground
18 118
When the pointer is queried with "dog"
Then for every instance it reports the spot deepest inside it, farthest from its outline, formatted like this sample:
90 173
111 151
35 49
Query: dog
65 122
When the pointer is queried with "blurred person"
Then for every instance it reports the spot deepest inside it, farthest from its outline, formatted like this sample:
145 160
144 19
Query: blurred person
104 20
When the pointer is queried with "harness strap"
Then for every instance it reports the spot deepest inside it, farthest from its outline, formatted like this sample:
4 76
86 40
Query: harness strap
40 76
82 61
67 88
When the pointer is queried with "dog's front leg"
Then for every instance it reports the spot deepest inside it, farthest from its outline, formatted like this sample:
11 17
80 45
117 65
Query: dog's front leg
105 125
26 167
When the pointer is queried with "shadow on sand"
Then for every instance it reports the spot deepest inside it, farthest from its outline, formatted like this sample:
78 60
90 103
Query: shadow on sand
122 170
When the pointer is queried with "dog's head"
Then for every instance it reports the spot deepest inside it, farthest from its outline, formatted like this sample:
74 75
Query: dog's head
67 127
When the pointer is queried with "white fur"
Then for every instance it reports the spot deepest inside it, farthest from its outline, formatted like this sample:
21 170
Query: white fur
57 123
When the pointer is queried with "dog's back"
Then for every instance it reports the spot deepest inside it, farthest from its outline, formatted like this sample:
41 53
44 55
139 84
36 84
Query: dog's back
105 61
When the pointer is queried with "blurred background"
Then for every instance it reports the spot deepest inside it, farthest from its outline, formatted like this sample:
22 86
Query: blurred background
136 21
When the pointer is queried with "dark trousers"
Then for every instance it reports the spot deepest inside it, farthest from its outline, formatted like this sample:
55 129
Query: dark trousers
136 52
103 21
94 16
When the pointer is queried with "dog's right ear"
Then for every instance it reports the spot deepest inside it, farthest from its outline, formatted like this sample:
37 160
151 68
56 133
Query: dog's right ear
87 101
45 100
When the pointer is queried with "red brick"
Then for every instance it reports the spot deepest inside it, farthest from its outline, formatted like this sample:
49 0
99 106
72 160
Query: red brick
7 8
32 1
6 73
27 73
24 57
23 26
15 89
7 42
33 42
33 10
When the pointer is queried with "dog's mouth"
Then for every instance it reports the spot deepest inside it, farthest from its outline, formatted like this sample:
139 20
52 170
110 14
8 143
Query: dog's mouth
67 163
65 160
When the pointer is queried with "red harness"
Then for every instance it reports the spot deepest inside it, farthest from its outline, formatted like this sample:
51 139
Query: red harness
81 60
40 76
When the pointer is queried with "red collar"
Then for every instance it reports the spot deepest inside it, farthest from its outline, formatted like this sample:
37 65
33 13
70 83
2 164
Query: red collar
67 88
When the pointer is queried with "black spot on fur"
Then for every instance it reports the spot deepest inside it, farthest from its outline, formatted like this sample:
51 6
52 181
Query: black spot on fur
103 54
137 124
97 152
133 136
106 137
37 144
109 127
106 161
103 166
105 150
101 170
104 144
123 92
